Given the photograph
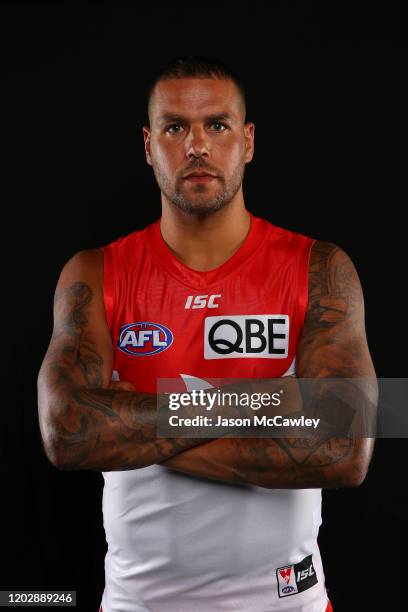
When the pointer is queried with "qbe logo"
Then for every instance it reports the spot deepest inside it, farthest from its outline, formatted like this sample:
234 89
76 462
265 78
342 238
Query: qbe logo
296 578
141 339
238 336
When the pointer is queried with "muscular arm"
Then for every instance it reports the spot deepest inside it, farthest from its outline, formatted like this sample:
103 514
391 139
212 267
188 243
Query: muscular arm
84 423
333 344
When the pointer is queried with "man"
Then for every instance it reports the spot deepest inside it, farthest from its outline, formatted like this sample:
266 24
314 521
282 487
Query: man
193 524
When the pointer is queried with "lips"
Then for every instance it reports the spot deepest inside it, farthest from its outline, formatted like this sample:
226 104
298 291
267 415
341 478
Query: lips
199 174
200 178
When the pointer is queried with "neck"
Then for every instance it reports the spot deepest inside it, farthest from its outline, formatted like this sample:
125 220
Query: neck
204 243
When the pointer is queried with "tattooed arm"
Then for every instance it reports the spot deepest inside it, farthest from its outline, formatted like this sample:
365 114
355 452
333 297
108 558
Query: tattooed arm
333 345
84 423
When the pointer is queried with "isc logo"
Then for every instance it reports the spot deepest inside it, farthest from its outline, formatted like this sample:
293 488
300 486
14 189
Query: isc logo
142 339
305 573
265 336
201 301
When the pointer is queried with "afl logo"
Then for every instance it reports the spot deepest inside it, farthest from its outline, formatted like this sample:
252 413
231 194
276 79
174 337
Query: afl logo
288 589
142 339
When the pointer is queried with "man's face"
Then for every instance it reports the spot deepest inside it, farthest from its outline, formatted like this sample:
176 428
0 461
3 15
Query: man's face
198 125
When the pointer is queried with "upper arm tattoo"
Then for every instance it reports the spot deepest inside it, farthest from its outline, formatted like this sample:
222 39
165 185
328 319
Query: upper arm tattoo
333 338
71 343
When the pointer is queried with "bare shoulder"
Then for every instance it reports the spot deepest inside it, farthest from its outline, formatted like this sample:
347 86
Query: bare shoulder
78 295
85 264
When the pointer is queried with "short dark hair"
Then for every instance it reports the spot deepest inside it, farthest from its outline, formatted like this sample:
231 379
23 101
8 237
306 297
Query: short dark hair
198 66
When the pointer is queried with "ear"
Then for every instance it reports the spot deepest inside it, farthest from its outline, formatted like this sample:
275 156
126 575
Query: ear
146 136
249 130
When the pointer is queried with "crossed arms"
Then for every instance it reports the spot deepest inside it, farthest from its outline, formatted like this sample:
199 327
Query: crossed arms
88 422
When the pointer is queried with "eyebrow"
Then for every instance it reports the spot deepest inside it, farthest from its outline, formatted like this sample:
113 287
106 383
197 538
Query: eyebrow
213 117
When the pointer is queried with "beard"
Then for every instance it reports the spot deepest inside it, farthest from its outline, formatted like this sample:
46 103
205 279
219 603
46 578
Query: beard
201 199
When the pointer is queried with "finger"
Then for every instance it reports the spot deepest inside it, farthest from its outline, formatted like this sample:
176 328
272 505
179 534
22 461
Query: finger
123 385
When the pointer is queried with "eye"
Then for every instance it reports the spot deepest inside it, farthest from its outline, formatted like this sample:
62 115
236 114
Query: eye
172 126
221 124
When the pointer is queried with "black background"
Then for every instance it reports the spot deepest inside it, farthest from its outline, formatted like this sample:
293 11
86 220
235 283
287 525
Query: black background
327 91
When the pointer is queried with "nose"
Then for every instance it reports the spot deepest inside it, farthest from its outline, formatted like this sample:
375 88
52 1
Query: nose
197 143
